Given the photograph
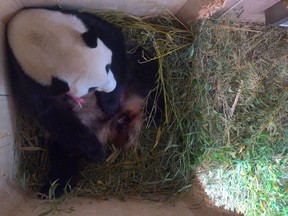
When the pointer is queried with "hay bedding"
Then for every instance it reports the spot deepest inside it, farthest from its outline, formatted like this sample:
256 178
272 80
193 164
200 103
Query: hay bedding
241 89
161 163
241 83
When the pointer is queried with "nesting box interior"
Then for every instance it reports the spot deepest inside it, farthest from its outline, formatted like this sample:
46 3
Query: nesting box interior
12 200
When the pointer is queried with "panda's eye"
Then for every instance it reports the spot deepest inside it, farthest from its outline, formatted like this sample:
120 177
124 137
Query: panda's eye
108 66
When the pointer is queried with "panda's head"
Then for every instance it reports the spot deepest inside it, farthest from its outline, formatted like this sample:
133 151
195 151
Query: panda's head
98 76
49 43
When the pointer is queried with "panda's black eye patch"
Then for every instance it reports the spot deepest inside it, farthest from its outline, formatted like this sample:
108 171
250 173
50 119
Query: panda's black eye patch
107 68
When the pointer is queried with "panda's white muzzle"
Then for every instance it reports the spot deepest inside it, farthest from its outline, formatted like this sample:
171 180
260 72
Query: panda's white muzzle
109 85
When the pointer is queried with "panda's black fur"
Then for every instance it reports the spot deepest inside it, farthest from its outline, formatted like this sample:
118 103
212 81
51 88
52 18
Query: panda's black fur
72 142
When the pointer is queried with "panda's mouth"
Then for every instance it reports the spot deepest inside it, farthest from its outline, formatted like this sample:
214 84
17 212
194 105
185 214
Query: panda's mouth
78 100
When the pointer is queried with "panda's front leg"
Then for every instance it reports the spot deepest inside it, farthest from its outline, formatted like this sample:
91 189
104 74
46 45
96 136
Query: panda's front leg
109 102
63 172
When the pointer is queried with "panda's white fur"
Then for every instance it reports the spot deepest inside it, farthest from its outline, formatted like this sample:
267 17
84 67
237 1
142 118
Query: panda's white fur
48 44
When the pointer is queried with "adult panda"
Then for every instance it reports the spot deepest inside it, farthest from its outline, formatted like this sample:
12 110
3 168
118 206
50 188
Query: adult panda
121 128
46 100
69 52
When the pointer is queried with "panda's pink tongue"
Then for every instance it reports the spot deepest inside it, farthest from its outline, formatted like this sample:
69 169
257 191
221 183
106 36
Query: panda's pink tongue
78 100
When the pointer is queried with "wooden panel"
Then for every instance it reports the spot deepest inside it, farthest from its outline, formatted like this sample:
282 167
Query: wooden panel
5 122
136 7
4 87
250 11
7 9
277 14
113 206
10 198
229 5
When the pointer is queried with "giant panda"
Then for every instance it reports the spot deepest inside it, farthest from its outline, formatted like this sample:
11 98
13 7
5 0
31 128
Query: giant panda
48 103
69 52
120 129
79 135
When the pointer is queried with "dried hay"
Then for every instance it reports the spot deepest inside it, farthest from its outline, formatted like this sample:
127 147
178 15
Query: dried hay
241 115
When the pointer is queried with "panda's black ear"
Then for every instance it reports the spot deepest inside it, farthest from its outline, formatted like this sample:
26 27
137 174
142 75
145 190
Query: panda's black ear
90 37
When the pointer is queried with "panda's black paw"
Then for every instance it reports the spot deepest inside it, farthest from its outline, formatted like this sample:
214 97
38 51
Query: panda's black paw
54 190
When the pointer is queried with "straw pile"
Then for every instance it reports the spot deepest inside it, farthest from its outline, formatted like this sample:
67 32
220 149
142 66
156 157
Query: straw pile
241 109
161 163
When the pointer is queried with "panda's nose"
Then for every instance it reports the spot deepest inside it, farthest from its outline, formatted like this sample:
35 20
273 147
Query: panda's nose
108 87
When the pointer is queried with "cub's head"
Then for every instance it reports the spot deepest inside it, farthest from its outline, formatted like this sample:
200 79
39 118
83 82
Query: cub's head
122 128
